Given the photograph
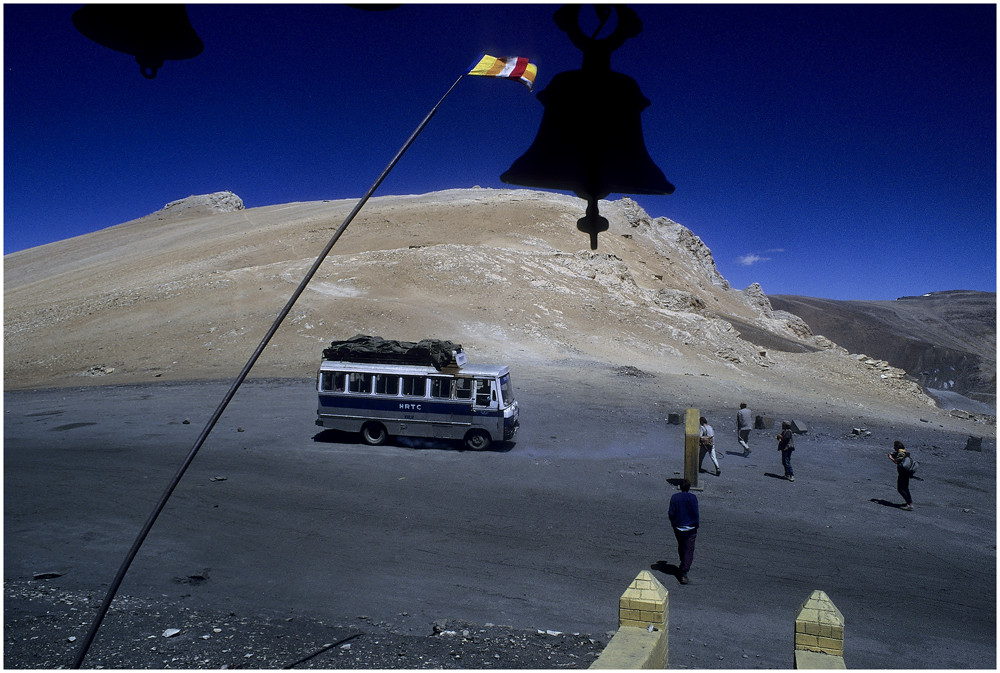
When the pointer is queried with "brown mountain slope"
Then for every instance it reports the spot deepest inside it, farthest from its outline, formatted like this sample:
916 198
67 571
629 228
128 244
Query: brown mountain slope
503 272
946 340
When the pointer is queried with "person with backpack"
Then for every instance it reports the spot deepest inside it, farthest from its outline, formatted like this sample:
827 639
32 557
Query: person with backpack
786 444
905 467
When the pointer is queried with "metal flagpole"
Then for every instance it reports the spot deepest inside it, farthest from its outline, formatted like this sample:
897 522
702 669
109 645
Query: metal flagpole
116 583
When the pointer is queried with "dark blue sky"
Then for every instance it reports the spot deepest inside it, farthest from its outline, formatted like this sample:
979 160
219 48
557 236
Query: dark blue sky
841 151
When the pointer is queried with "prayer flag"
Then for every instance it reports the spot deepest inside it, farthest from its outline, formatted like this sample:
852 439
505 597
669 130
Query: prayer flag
512 67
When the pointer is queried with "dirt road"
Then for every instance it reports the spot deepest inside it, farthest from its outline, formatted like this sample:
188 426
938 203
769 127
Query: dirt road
279 519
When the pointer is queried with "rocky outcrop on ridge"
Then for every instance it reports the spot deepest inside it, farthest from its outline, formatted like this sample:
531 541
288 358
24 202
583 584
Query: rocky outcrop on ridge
200 205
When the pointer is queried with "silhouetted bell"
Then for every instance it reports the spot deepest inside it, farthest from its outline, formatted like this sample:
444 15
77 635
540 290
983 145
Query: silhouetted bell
590 140
151 33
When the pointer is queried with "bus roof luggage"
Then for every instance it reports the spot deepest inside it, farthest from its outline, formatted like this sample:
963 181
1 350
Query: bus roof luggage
437 353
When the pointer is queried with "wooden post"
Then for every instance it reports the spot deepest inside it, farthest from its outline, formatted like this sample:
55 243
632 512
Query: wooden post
692 429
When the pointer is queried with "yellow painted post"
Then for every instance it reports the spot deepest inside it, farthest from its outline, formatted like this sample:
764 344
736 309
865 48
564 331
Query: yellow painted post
692 429
643 637
819 633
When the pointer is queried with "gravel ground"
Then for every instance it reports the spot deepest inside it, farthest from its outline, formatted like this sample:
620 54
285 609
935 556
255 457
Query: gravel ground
544 536
44 626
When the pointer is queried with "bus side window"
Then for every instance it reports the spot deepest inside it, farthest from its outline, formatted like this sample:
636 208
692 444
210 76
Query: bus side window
360 382
387 384
483 392
463 389
440 388
339 382
326 381
415 386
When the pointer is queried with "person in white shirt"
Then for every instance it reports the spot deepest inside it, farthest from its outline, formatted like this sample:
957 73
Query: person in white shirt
706 444
744 424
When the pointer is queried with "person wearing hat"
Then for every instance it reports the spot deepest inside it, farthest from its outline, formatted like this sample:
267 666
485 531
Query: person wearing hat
786 444
904 469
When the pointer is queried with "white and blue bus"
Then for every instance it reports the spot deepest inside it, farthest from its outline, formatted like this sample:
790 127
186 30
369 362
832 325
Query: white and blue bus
471 403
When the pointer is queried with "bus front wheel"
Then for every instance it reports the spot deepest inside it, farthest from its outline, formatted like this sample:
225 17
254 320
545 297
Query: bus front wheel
477 440
374 434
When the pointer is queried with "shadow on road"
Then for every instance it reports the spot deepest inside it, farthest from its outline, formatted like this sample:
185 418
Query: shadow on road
667 569
329 436
774 476
886 503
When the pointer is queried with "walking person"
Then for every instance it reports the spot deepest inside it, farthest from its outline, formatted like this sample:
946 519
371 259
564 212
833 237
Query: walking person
744 424
706 444
786 444
905 466
683 515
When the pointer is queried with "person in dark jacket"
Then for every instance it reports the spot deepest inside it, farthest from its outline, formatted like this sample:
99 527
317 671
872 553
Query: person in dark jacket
904 463
683 515
786 444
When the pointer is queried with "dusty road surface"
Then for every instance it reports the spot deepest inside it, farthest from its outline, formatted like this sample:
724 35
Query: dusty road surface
300 537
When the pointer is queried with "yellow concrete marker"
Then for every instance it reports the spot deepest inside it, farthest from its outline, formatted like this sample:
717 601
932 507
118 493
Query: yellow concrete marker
819 633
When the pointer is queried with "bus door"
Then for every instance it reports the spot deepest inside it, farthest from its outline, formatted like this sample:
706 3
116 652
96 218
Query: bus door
485 395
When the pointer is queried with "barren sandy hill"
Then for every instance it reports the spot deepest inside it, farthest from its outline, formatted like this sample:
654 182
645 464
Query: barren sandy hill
188 292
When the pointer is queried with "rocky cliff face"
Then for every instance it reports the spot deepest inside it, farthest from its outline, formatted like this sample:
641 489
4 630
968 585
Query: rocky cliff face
503 272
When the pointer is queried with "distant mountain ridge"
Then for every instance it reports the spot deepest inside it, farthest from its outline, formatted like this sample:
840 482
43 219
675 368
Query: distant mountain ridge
945 340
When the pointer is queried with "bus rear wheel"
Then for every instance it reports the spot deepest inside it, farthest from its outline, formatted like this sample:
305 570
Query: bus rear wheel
374 434
477 440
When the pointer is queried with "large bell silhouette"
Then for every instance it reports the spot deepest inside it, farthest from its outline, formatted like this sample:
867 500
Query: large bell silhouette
151 33
590 140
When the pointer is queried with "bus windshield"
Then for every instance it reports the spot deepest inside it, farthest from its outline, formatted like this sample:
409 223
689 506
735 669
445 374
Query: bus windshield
506 390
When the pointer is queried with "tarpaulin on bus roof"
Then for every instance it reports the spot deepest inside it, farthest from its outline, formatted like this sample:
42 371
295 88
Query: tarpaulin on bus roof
364 348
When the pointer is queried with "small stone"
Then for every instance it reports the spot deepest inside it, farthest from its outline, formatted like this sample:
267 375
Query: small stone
170 633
